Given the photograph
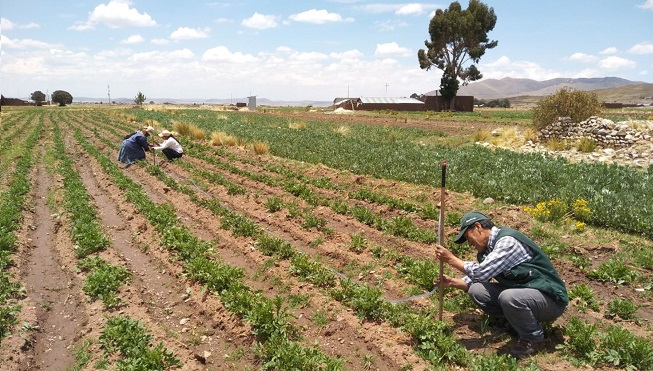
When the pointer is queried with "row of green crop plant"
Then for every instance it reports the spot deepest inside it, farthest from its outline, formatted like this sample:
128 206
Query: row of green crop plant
419 272
14 127
613 192
399 226
322 276
365 301
362 299
12 201
121 335
278 343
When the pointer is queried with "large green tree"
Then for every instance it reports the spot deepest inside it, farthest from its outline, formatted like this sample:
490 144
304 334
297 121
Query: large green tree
38 97
62 97
458 41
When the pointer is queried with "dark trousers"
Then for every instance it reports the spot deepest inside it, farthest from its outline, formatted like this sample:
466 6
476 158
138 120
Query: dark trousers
171 154
524 308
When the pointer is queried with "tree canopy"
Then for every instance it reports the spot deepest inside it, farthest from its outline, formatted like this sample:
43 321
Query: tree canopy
62 97
38 97
139 99
458 37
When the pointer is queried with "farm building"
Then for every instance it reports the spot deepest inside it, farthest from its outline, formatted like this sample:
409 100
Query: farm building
379 103
425 103
463 103
12 102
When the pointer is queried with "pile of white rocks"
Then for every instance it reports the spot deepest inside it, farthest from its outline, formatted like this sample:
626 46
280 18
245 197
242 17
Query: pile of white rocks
627 143
604 132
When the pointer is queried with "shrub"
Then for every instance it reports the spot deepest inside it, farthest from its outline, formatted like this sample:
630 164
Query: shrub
586 145
260 148
578 105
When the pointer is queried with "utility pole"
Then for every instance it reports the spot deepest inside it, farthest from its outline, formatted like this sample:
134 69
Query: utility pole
109 93
386 89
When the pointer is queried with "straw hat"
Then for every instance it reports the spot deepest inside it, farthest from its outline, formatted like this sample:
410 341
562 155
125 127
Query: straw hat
149 129
165 133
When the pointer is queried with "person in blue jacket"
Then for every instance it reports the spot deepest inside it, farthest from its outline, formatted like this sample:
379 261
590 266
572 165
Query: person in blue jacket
134 146
512 281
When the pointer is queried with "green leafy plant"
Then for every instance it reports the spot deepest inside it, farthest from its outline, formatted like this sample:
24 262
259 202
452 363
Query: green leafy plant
614 270
584 297
274 204
104 280
358 242
622 308
130 339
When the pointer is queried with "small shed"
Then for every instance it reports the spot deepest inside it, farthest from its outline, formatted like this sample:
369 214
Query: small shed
252 102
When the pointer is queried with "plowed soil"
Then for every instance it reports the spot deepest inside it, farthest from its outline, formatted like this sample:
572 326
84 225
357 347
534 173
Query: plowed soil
56 315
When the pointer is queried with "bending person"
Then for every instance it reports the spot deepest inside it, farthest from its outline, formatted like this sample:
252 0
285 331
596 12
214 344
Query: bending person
170 146
513 280
133 148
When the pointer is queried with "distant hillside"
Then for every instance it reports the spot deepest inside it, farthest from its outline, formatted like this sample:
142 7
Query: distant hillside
511 87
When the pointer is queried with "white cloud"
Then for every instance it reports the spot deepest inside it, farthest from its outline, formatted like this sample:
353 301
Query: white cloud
23 43
6 25
582 57
307 56
613 63
349 54
115 14
222 20
609 51
133 39
187 33
260 21
392 48
160 41
165 57
504 67
222 54
390 25
399 9
409 9
642 48
321 16
647 5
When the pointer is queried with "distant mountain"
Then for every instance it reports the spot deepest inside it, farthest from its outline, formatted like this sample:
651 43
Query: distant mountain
510 87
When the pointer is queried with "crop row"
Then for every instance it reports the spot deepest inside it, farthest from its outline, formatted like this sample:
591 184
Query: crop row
614 193
11 205
278 341
315 271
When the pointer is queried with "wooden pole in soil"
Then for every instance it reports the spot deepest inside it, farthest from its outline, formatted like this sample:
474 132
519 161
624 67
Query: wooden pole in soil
440 235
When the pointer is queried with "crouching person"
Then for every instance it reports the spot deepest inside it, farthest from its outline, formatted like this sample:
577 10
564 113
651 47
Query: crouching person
170 146
526 290
134 146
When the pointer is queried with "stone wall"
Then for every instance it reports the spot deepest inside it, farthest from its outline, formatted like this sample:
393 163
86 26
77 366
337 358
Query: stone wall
606 133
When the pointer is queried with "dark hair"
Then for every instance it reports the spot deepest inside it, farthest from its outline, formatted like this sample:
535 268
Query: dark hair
486 223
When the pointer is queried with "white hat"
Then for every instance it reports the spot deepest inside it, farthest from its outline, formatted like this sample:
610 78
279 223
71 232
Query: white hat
165 133
149 129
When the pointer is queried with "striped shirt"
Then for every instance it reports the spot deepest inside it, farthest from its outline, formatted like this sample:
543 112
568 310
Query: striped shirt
506 254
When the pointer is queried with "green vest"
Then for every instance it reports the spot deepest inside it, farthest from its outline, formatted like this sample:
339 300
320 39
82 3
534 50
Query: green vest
537 273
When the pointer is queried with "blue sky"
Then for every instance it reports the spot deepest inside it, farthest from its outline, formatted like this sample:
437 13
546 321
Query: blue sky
300 50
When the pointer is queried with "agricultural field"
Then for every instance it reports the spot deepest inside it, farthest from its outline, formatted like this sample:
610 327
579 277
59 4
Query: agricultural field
295 240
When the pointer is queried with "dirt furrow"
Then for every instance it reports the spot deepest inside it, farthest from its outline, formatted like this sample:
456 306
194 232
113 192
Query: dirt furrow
177 312
389 348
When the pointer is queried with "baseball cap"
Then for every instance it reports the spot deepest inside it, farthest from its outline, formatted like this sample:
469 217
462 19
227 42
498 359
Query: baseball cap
468 220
